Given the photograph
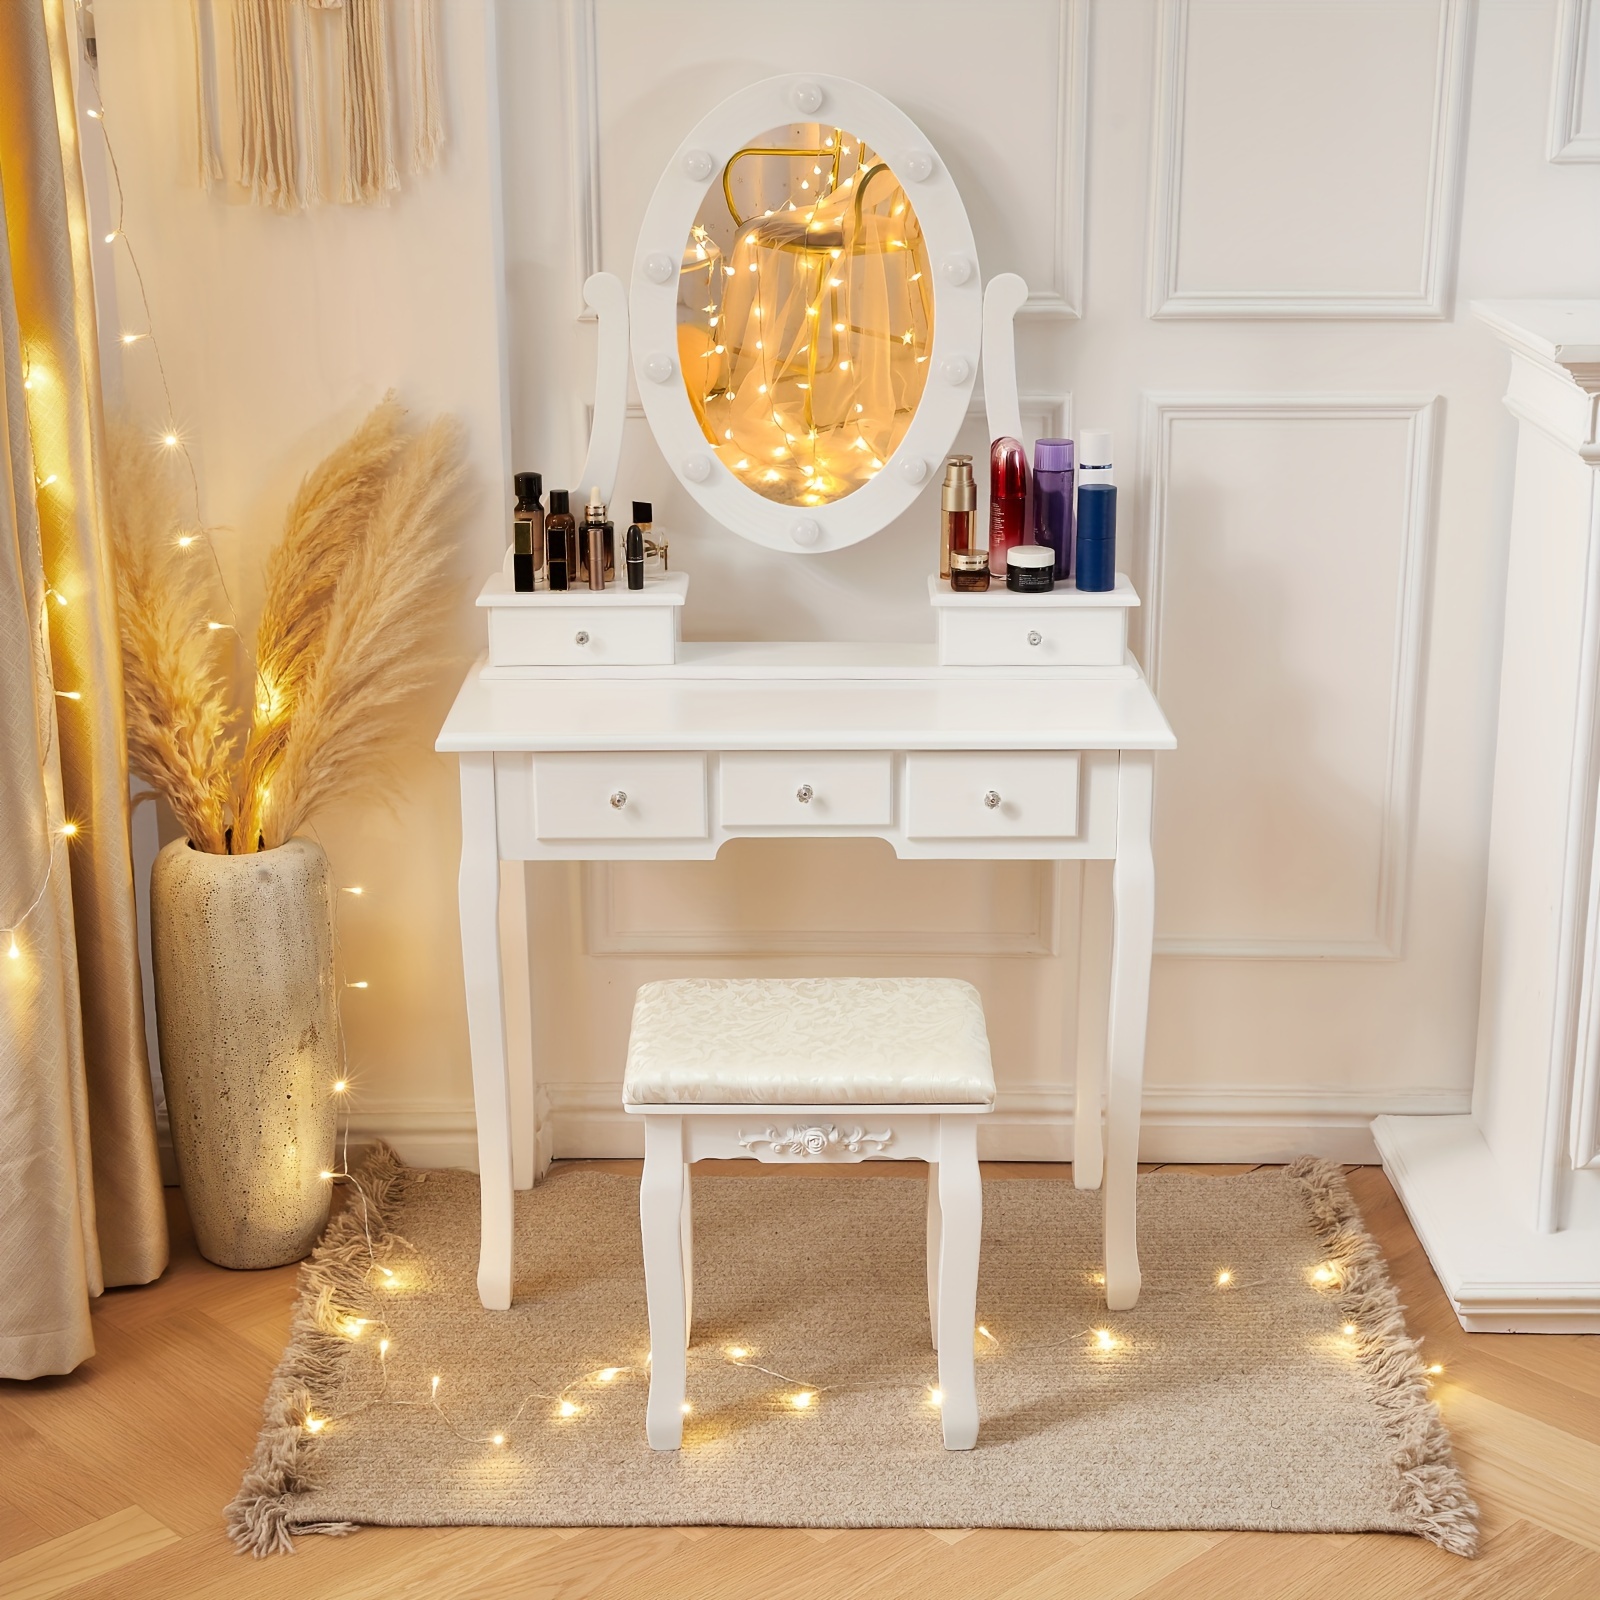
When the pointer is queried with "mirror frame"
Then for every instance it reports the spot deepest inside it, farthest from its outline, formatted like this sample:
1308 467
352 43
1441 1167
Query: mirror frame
693 168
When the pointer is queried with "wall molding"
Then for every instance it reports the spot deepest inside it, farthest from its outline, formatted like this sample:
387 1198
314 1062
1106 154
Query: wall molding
1063 298
603 936
582 87
1429 300
1420 413
1576 21
1233 1123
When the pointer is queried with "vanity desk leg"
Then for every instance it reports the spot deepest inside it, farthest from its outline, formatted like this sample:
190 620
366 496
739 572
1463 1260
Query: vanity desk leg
1133 900
1094 1000
486 1024
528 1160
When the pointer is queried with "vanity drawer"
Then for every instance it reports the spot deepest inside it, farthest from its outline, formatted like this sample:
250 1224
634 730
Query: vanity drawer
574 634
584 796
783 788
1016 634
1004 795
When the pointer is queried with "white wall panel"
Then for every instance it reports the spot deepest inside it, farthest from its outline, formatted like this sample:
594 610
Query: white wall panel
1014 137
1575 83
1306 164
1306 157
1287 550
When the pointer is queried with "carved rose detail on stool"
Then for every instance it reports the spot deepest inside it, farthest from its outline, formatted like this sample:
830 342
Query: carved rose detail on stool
818 1140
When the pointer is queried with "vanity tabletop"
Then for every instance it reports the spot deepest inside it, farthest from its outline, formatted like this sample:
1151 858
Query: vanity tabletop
805 697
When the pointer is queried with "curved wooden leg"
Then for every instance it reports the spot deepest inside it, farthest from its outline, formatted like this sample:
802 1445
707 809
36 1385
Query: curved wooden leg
935 1229
961 1208
661 1199
479 900
1094 990
1133 932
516 975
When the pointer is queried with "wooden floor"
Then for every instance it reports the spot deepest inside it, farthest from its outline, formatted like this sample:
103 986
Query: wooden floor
112 1483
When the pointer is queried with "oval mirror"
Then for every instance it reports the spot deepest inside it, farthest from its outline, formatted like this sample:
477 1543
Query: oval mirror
805 313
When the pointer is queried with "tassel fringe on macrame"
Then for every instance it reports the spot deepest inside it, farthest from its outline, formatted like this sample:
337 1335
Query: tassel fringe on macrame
334 1279
301 65
1432 1494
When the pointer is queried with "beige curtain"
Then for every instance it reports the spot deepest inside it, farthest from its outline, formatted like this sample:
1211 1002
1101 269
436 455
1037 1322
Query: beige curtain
80 1194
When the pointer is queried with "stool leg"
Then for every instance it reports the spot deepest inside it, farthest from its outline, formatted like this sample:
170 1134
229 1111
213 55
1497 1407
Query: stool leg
961 1208
687 1231
935 1241
661 1198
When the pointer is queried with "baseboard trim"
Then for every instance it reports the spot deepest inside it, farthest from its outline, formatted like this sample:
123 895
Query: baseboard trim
1227 1124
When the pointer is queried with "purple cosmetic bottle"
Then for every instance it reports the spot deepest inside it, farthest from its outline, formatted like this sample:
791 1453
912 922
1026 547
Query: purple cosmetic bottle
1053 500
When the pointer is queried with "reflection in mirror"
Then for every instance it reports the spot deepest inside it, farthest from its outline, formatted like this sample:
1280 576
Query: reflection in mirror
805 314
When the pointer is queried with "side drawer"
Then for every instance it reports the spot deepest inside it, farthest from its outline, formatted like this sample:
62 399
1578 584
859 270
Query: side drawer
1003 795
579 635
651 796
806 789
1021 635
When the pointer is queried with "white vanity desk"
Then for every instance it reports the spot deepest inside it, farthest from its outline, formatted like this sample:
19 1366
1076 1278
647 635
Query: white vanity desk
797 740
803 324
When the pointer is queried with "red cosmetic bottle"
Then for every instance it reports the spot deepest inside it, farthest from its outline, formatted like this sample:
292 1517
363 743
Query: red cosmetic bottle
1008 500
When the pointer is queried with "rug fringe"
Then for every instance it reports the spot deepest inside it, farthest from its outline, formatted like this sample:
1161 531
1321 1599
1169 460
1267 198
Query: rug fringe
260 1518
1432 1494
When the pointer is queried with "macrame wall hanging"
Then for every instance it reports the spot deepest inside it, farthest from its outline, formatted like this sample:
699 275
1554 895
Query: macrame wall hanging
313 96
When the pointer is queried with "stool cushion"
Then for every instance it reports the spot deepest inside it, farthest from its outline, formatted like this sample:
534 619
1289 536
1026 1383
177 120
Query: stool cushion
808 1041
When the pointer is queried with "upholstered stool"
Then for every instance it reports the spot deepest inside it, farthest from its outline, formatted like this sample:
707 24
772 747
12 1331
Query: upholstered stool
810 1070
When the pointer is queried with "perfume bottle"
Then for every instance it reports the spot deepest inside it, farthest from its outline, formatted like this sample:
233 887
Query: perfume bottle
527 531
958 502
1008 501
653 547
561 541
1052 500
597 534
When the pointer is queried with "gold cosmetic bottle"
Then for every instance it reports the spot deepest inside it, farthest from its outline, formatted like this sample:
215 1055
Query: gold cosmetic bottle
958 504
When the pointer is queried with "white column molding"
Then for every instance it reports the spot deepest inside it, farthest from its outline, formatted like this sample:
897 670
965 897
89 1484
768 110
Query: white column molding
1506 1200
1575 83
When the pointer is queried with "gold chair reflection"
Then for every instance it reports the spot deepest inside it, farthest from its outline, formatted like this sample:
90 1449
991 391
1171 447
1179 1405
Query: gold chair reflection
805 316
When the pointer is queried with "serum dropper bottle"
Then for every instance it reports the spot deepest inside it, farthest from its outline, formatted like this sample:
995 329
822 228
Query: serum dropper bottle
527 531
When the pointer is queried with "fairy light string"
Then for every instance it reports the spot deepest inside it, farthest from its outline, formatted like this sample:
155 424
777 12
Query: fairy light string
569 1403
37 378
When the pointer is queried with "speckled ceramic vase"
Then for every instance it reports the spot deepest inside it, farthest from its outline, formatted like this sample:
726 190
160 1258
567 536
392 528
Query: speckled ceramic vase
247 1012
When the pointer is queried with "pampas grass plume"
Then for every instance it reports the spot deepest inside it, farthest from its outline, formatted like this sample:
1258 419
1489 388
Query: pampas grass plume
342 644
175 694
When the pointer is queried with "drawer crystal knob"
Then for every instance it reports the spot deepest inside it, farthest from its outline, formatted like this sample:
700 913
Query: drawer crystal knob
1034 636
581 636
804 793
619 799
992 798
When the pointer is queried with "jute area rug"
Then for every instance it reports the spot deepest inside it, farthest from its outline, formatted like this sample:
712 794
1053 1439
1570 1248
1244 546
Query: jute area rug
1264 1381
